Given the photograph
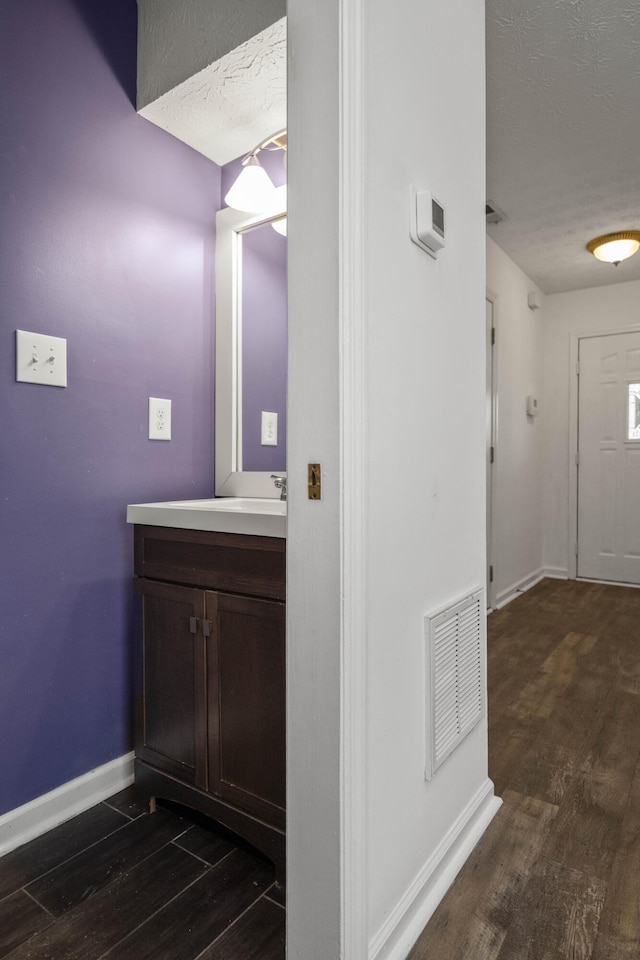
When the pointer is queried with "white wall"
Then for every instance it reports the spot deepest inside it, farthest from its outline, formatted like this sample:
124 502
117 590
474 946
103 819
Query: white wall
605 309
389 396
425 375
518 470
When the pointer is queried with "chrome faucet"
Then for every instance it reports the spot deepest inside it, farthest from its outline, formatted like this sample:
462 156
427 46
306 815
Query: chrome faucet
280 483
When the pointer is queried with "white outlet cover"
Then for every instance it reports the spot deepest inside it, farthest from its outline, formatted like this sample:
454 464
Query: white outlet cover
41 359
159 419
269 433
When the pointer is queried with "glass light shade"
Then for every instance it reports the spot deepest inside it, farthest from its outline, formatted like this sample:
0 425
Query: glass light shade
280 226
616 250
253 191
614 247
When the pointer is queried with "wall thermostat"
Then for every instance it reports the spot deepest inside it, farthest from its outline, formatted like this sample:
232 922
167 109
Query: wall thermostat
532 407
427 222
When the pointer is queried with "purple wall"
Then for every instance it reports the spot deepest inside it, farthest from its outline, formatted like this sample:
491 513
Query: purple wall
107 240
264 345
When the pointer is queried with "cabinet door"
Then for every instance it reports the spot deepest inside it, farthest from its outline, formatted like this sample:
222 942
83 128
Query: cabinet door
170 731
246 698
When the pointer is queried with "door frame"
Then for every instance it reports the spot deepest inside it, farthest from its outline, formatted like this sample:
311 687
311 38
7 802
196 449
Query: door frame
574 346
327 600
491 498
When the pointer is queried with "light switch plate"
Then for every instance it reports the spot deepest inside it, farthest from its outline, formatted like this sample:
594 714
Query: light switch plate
159 419
269 429
41 359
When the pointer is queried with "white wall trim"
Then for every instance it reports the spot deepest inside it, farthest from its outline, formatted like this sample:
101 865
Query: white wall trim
520 586
354 501
556 573
574 344
609 583
407 920
51 809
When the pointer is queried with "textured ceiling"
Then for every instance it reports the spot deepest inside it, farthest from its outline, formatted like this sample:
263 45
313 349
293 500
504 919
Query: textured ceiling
563 134
232 105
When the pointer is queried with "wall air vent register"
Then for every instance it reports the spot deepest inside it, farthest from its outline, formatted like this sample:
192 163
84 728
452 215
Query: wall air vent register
455 667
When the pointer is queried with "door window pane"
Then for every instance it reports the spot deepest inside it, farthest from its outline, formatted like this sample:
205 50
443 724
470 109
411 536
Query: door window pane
633 426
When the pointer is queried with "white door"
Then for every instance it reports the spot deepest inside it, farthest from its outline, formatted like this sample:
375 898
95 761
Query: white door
490 441
609 458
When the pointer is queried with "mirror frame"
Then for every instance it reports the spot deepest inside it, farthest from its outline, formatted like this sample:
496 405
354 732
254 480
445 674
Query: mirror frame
230 482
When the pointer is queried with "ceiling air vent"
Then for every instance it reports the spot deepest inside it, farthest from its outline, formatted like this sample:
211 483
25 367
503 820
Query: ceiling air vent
493 212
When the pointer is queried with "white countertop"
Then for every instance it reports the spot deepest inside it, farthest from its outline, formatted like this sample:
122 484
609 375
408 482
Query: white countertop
260 518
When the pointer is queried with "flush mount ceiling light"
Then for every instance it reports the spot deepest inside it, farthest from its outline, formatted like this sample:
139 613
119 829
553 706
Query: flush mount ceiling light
614 247
253 191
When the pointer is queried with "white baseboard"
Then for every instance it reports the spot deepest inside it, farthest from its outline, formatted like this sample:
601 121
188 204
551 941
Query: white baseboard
407 920
36 817
520 586
609 583
556 573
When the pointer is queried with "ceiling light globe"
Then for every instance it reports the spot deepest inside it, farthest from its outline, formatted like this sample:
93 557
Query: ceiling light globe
614 247
616 250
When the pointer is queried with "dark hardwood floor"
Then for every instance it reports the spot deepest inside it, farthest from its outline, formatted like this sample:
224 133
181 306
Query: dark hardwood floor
557 874
120 883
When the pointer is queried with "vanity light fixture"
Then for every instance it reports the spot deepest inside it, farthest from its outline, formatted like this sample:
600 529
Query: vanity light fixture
253 190
615 247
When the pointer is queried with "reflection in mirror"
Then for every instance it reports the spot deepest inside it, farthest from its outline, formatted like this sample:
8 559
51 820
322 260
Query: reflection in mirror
264 350
251 353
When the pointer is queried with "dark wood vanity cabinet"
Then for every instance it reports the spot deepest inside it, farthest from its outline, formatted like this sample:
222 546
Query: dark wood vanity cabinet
210 726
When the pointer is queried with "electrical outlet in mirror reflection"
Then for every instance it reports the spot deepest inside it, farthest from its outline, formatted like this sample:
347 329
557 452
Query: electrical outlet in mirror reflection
269 430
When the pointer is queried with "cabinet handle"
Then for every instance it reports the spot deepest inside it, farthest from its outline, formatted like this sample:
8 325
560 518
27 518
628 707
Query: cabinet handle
193 624
206 628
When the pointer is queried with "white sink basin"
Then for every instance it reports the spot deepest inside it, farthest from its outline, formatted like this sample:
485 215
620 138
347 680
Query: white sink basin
261 518
245 504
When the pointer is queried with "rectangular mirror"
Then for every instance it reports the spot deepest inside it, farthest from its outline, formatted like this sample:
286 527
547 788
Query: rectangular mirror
251 353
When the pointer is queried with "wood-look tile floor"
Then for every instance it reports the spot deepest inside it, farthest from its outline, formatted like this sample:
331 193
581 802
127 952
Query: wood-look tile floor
119 883
555 877
557 874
